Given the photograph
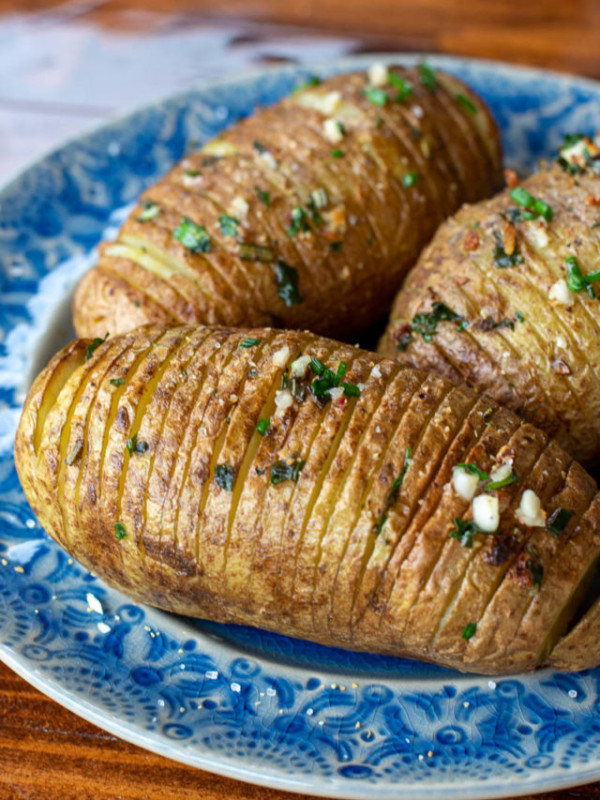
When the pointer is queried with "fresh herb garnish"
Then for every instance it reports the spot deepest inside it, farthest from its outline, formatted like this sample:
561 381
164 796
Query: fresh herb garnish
150 210
299 221
260 147
466 103
427 76
375 95
93 346
225 477
469 630
527 201
558 521
576 280
410 179
263 195
351 390
117 381
120 531
286 278
503 259
131 443
426 323
249 251
500 484
405 88
312 80
327 379
229 225
262 426
464 532
287 470
194 237
337 153
249 342
520 316
473 469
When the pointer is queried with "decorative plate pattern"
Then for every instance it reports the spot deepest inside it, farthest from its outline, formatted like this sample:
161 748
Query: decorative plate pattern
252 705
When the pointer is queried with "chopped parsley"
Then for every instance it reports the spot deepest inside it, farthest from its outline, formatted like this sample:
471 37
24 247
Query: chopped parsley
469 631
473 469
393 493
337 153
327 379
527 201
286 278
519 316
117 381
503 259
426 323
427 76
263 195
410 179
229 225
120 531
287 470
299 221
250 251
262 426
150 210
133 446
194 237
93 346
249 342
558 521
576 280
375 95
225 477
466 103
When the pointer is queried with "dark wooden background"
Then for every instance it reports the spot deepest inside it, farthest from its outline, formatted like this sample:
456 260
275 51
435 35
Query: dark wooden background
46 752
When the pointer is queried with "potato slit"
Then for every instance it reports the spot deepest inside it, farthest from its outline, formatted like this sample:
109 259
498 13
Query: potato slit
60 377
107 267
372 541
265 344
142 404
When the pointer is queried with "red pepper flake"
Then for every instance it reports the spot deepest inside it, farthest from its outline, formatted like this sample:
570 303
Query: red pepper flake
592 200
511 178
471 242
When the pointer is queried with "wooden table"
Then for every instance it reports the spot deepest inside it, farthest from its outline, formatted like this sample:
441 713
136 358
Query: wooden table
61 71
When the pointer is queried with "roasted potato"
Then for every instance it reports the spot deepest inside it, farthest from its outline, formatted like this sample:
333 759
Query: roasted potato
305 215
504 299
289 482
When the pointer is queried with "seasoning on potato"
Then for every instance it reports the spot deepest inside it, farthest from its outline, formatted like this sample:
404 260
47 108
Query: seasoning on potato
305 215
506 298
289 482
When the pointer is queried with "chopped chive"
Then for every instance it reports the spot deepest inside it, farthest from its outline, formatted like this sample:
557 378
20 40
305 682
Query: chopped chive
262 426
473 469
342 369
225 477
464 532
120 531
375 95
351 390
299 221
493 485
193 237
131 443
117 381
263 195
469 630
317 366
410 179
519 315
249 342
522 198
466 103
93 346
427 76
286 278
558 521
426 323
405 88
150 210
337 153
229 225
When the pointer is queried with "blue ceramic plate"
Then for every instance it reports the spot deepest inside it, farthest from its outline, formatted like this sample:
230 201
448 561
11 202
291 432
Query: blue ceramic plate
251 705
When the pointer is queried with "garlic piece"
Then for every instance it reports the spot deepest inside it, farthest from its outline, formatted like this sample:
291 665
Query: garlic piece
501 473
529 512
465 483
280 358
283 400
378 74
333 130
559 291
299 366
486 513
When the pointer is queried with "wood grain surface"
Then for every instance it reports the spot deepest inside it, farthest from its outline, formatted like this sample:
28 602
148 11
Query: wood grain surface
46 752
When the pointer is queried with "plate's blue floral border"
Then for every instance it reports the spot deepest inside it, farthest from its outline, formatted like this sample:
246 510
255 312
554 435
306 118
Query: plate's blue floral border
260 707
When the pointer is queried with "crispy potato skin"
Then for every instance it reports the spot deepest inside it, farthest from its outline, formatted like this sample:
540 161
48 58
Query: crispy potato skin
155 437
534 354
350 243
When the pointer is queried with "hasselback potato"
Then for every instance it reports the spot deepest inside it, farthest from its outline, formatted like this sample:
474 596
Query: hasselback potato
504 298
290 482
305 215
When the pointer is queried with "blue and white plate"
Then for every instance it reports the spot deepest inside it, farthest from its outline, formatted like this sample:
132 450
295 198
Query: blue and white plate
240 702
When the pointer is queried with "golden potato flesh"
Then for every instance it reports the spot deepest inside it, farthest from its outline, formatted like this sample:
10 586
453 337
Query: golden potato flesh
504 298
290 482
306 214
